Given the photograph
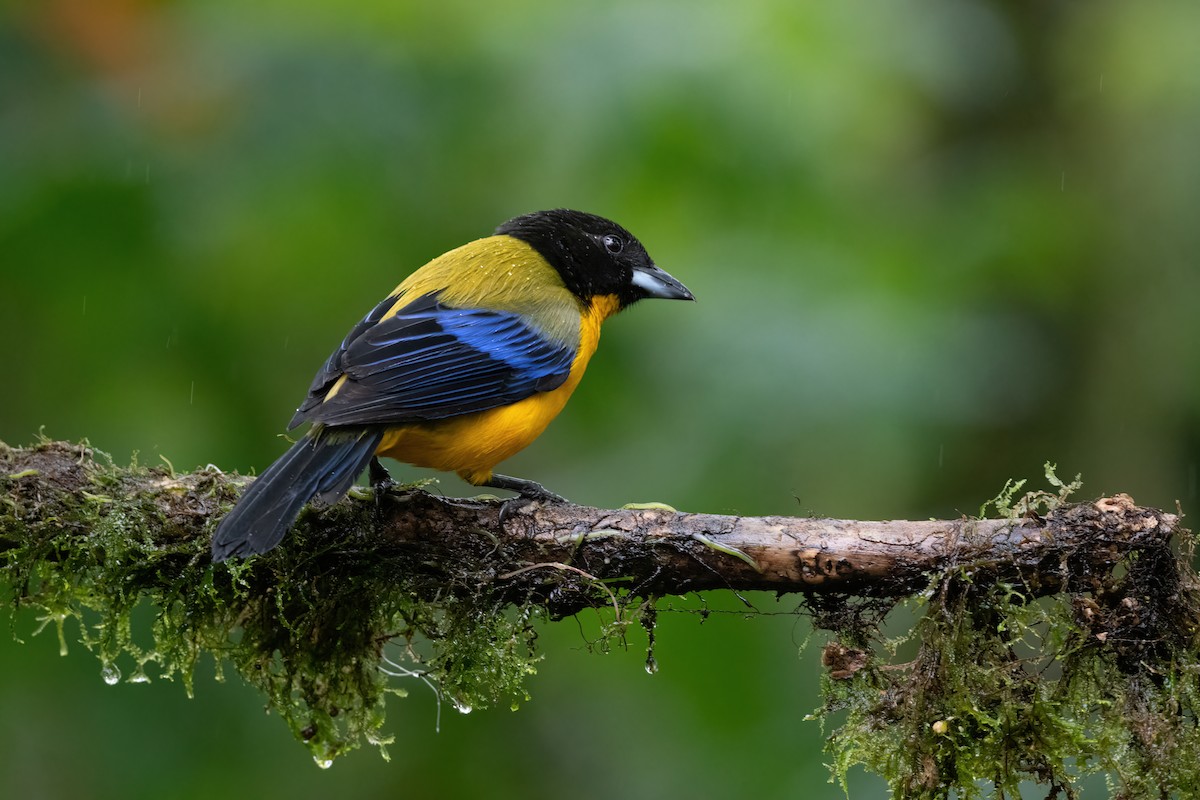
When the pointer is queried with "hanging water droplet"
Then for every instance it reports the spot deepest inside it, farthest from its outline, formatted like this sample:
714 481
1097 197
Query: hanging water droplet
139 677
323 763
652 665
461 707
111 674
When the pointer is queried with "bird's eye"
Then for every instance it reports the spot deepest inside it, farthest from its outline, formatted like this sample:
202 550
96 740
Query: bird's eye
613 244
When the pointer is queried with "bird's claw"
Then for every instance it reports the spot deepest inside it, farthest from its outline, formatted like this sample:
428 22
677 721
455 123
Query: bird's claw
381 480
535 491
528 490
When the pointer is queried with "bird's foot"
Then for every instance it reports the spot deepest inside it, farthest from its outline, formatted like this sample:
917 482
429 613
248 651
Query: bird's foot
381 480
529 490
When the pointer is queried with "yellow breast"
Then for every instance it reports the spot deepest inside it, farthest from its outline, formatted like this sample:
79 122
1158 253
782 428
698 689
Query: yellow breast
473 444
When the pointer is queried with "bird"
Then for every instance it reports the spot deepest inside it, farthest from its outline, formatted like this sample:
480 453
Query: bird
461 366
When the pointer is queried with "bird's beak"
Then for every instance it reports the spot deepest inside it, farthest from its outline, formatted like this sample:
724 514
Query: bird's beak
654 282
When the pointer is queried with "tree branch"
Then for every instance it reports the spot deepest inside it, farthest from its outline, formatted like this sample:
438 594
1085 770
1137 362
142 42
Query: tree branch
652 550
321 623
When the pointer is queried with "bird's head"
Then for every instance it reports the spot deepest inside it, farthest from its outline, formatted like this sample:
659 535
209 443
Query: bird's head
595 256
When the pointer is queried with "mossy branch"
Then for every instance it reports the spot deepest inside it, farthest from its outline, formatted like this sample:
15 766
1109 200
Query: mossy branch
452 587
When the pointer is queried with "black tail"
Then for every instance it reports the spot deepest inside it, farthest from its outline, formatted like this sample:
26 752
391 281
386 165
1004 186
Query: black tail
324 464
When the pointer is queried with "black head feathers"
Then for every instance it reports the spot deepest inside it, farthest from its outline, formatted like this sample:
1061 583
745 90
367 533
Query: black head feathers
595 256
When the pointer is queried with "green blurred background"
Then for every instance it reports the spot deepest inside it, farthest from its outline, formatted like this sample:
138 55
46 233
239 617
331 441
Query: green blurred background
934 243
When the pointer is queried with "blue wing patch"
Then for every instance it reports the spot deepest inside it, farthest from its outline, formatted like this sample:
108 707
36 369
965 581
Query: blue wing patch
429 362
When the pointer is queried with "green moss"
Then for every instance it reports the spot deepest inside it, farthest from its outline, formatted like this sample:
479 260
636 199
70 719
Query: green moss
307 625
997 683
994 687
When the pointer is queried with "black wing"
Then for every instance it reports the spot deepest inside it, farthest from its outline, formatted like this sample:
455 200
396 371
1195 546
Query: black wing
430 361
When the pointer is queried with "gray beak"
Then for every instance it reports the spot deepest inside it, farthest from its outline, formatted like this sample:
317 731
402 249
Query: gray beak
654 282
